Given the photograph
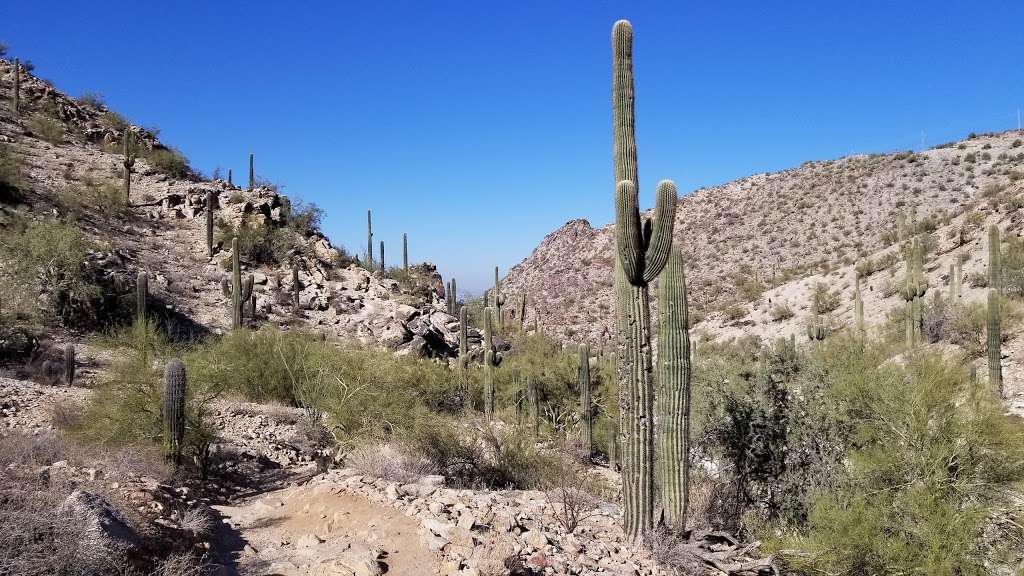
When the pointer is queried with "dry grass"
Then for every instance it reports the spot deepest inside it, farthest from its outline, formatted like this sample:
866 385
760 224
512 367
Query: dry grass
389 461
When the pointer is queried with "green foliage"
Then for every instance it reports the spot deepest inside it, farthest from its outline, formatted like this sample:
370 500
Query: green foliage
48 257
10 175
47 128
261 243
170 161
931 456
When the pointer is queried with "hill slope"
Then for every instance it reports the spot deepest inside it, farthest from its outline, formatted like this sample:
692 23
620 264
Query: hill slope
765 230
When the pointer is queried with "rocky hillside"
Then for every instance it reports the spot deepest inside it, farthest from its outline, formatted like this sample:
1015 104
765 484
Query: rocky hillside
67 159
761 232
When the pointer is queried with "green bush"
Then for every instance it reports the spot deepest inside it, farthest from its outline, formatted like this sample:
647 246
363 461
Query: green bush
167 160
10 175
46 128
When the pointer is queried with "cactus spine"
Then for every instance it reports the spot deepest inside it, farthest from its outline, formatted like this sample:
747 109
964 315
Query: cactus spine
995 342
532 397
252 173
369 241
141 293
913 293
128 141
586 409
296 287
174 410
995 273
640 258
858 307
69 364
489 362
499 301
17 86
673 400
209 223
405 252
239 292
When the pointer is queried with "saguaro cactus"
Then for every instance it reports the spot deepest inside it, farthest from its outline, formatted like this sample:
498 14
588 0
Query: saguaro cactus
69 364
252 173
858 307
239 292
995 272
209 222
382 256
16 98
141 294
369 242
128 142
463 339
586 409
913 293
522 312
499 301
816 331
405 252
229 178
673 400
174 410
533 398
956 279
489 363
995 342
296 287
640 258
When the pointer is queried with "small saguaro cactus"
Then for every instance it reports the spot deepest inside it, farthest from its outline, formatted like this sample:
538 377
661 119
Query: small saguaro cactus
489 363
463 339
453 298
141 294
913 293
382 256
956 279
995 273
858 307
586 408
499 301
816 327
994 342
174 410
533 399
252 173
369 241
209 222
229 178
239 292
673 402
296 287
642 250
16 98
69 364
128 162
522 312
405 252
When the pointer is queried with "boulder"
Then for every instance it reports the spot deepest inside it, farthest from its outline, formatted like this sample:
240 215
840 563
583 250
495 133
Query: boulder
103 518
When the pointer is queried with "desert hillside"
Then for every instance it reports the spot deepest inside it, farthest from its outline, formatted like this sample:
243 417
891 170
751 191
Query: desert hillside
756 233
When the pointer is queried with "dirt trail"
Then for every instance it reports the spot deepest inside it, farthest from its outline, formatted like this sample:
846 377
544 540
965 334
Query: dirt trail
317 530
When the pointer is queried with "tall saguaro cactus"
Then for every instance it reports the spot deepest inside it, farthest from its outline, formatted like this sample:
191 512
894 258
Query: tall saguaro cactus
128 162
141 294
382 256
522 312
463 339
499 301
673 400
994 342
209 222
533 398
913 293
858 307
69 364
641 254
296 287
252 173
489 362
995 272
451 298
229 178
174 410
16 97
369 241
240 292
586 407
405 252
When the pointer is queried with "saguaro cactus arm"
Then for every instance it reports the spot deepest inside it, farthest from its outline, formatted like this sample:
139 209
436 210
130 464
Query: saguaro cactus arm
643 257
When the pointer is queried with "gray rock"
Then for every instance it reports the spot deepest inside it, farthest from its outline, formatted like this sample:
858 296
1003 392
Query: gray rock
112 530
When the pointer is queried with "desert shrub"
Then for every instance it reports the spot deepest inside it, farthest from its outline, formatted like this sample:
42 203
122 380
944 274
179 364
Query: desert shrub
167 160
102 197
391 461
49 257
92 100
10 175
1012 265
47 128
780 311
932 458
734 312
977 279
127 407
824 299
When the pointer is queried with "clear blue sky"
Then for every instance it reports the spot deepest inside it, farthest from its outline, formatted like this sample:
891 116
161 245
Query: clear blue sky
478 127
